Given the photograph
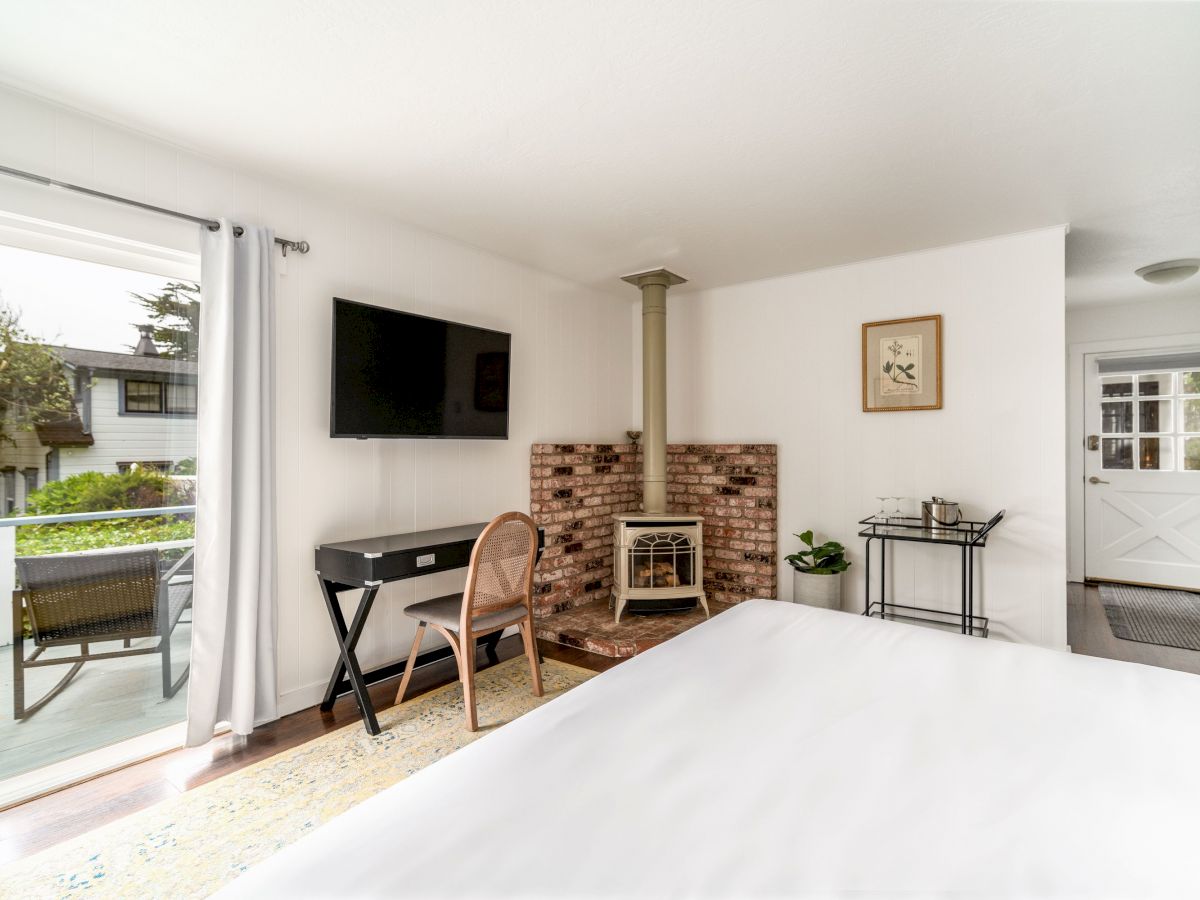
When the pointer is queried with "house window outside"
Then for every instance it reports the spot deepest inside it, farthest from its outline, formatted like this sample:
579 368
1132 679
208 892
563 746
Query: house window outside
162 466
143 396
31 482
1151 421
157 397
181 399
10 491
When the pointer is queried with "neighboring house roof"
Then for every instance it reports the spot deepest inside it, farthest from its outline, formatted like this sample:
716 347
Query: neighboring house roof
66 433
125 362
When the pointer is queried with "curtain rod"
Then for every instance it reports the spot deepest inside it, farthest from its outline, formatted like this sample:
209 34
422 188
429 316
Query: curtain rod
211 224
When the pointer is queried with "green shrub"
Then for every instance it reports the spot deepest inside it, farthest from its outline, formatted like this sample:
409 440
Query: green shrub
36 540
101 492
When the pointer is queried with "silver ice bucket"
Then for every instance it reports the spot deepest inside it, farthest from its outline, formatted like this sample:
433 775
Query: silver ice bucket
939 514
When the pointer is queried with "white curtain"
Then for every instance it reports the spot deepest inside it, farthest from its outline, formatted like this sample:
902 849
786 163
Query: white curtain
233 613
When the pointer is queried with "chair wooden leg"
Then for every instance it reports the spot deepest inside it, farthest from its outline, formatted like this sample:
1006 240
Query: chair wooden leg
468 680
410 664
535 670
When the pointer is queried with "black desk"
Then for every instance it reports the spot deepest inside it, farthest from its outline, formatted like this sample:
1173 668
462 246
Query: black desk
367 565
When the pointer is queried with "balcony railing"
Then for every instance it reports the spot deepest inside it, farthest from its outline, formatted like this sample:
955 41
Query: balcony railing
8 545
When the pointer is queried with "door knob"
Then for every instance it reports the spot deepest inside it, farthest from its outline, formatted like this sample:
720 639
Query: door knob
1095 480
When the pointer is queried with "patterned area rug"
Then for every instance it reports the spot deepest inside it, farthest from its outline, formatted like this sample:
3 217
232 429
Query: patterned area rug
191 845
1152 615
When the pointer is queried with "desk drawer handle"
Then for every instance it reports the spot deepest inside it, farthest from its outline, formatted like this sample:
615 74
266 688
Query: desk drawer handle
427 560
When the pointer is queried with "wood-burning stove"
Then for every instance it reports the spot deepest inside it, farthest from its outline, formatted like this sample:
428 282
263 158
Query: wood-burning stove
659 563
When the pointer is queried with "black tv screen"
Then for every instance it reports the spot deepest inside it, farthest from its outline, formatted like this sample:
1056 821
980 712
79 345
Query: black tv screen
399 375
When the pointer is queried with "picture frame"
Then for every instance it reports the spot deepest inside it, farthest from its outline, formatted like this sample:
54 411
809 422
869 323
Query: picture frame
902 364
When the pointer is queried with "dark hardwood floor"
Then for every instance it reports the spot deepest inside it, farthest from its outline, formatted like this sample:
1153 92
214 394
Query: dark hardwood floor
33 826
1088 633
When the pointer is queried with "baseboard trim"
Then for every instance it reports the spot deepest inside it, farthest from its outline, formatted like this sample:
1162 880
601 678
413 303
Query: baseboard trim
311 694
1096 582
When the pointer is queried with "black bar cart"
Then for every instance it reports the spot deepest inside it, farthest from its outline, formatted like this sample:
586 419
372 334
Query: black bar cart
967 536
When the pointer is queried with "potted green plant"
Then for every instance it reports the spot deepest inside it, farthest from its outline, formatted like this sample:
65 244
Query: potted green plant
817 573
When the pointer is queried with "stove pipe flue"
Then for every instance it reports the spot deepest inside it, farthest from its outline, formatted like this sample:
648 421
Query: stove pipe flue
653 285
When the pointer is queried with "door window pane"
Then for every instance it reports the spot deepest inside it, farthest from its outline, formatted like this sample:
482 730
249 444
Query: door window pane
1155 454
1189 383
1191 454
1118 417
1154 416
1191 415
1116 386
1117 453
1156 385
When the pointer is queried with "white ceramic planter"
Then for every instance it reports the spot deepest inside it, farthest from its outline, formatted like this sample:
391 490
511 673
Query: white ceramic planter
824 591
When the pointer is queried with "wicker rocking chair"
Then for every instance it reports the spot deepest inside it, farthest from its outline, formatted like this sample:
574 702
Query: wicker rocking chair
85 598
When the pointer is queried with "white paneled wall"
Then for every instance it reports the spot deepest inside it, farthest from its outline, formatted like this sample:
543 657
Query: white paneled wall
779 361
572 359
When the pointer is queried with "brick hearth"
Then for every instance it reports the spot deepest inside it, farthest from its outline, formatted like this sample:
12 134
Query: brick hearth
590 627
575 489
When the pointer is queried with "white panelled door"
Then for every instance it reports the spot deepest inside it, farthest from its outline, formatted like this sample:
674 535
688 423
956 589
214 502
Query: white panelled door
1142 468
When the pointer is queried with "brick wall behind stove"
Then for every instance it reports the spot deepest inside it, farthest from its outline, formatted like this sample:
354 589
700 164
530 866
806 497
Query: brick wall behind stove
575 489
735 487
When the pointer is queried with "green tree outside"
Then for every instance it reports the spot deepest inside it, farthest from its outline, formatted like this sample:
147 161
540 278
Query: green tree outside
33 386
174 313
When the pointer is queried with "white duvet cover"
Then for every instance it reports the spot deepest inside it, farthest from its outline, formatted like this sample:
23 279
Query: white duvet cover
783 751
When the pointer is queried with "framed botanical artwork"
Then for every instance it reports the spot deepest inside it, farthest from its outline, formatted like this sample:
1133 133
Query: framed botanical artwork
902 364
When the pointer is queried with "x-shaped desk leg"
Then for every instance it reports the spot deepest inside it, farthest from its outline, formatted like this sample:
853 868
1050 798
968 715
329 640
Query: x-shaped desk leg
347 639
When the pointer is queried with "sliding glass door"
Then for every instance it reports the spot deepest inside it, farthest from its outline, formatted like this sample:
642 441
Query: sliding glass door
98 376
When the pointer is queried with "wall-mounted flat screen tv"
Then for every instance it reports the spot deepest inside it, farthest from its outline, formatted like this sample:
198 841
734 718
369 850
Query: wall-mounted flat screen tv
399 375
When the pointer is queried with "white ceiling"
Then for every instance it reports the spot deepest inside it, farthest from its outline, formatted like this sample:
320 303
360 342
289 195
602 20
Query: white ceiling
729 140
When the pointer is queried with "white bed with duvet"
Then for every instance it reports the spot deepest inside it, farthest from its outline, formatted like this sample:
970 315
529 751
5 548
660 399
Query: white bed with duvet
782 751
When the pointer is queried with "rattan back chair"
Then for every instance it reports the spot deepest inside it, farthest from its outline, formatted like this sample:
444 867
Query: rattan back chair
87 598
499 593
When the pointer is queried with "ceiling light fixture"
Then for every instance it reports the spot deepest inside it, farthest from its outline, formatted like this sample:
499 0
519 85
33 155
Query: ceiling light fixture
1169 272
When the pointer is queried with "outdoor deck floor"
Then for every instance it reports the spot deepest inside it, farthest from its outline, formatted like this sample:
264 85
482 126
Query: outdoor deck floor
107 702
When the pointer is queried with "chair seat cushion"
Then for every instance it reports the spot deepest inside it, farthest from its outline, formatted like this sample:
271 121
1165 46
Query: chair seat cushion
447 612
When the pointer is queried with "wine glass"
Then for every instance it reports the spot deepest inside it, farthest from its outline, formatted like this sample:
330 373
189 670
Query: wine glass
882 514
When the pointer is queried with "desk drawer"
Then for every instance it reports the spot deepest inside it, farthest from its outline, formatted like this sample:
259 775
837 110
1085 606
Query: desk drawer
407 564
